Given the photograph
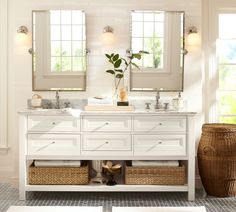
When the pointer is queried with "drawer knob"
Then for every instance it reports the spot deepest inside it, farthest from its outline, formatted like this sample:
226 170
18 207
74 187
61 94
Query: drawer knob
106 123
54 123
160 123
107 142
159 142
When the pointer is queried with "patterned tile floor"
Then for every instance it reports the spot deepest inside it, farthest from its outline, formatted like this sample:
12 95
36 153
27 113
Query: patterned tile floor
9 196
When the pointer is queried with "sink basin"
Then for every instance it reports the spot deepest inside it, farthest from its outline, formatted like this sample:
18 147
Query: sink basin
63 111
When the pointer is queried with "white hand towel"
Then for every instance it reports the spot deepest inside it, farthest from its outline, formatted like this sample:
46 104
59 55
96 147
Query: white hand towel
172 163
57 163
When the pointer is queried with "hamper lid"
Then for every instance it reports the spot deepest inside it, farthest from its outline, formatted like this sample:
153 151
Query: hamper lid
218 127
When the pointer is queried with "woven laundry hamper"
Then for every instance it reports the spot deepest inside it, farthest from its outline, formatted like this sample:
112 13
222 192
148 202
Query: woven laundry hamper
217 159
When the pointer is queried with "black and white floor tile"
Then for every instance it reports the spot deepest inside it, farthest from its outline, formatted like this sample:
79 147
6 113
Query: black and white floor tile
9 196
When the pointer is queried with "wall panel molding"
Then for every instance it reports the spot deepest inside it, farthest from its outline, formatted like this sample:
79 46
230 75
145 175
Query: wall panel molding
3 74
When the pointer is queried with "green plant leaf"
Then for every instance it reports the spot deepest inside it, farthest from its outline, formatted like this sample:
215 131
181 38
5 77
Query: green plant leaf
108 56
119 76
137 56
143 52
126 63
112 54
135 65
110 71
119 70
116 57
117 63
111 61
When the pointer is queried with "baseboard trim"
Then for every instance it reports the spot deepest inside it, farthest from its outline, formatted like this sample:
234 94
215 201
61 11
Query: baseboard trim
6 175
198 182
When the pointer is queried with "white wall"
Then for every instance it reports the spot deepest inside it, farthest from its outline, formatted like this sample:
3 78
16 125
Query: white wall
99 14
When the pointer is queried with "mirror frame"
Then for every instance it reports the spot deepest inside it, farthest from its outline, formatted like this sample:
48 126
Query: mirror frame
183 53
31 51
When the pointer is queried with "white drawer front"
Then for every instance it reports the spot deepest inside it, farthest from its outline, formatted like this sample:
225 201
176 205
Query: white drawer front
54 144
53 124
106 145
160 145
160 123
107 123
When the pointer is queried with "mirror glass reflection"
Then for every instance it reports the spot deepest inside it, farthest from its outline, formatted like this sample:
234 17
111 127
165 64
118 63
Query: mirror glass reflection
59 50
161 33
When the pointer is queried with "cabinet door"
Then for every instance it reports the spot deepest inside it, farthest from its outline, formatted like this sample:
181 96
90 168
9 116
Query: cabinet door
108 144
159 123
53 144
107 123
160 145
53 124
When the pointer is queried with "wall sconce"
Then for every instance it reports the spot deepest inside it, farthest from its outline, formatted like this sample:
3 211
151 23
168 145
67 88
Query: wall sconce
108 35
22 37
193 38
23 29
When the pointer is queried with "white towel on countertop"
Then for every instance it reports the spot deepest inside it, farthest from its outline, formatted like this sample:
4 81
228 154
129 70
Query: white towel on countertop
57 163
102 101
172 163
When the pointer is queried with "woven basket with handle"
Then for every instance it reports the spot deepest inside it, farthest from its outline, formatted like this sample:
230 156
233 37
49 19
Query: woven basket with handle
217 159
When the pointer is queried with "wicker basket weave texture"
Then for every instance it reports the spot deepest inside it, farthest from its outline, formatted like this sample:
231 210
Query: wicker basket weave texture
217 159
155 175
59 175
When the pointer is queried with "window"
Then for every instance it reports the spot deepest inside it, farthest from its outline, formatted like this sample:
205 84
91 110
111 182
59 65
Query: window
64 38
226 50
148 34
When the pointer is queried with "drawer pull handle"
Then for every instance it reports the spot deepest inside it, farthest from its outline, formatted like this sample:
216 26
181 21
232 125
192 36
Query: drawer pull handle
45 146
101 126
160 123
98 147
153 146
54 123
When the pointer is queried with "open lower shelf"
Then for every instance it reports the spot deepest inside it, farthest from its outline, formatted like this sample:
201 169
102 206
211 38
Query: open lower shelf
105 188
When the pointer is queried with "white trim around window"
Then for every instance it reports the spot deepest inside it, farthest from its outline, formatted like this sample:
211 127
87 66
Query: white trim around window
3 74
210 10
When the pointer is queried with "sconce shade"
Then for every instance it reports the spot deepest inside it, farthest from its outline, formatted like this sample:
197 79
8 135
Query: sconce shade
193 38
22 29
108 36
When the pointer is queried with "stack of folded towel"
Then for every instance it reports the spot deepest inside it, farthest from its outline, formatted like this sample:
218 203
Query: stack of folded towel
150 163
57 163
99 101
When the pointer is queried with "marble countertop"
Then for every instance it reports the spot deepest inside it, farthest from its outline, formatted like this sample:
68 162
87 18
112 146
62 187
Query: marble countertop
78 112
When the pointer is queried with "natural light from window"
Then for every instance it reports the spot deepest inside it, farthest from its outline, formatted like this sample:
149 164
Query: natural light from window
148 34
226 50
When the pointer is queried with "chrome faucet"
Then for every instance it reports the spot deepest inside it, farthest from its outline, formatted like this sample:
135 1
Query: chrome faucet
158 104
57 106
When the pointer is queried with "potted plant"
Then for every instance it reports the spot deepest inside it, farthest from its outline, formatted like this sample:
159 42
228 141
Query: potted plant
120 65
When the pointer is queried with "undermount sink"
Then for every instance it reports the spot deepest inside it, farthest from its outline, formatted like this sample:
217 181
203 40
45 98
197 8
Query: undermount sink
70 111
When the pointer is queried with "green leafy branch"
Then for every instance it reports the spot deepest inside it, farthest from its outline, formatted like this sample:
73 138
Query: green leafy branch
117 62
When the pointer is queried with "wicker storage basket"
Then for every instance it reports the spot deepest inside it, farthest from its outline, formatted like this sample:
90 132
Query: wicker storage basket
154 175
59 175
217 159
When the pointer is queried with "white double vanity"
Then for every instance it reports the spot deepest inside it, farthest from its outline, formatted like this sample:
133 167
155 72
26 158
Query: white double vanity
134 135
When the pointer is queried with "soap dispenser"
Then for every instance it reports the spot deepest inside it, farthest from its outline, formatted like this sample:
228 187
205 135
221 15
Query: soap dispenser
178 103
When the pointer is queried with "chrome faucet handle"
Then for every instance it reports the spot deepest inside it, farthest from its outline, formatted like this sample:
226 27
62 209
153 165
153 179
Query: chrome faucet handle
166 106
67 104
147 105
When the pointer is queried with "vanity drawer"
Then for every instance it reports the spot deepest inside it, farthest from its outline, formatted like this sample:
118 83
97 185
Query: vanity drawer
160 145
53 124
159 124
107 123
53 144
106 144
